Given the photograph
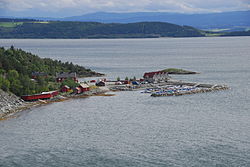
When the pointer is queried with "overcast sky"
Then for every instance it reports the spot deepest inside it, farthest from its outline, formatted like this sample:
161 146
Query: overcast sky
62 8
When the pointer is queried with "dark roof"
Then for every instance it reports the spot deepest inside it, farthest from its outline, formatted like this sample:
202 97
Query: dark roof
39 74
66 75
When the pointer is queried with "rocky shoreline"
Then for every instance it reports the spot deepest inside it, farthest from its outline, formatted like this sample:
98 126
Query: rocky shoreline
11 104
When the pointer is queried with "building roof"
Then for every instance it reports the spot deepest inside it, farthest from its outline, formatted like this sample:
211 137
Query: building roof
66 86
77 88
66 75
151 74
39 74
83 85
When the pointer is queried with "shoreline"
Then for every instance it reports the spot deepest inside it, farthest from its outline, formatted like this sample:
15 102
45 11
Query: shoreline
111 87
10 113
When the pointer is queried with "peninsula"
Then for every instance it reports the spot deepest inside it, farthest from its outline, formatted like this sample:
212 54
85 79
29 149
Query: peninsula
27 80
23 73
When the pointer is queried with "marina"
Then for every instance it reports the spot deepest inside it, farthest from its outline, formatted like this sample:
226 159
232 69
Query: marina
159 83
133 128
170 88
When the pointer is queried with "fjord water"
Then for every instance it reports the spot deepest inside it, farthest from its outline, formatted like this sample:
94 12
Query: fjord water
134 129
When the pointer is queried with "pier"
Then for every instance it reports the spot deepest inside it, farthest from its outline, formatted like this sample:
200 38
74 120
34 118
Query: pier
169 88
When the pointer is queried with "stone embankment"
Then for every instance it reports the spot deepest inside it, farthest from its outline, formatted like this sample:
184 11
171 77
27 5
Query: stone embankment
9 103
171 88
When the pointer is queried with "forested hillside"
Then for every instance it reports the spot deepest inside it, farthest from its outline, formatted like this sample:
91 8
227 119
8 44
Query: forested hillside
16 67
95 30
238 33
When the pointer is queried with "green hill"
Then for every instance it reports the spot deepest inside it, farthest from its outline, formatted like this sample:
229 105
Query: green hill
17 66
178 71
57 29
238 33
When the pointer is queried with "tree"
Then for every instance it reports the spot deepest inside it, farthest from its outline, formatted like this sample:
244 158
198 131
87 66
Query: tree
118 79
27 84
12 75
5 84
70 82
2 71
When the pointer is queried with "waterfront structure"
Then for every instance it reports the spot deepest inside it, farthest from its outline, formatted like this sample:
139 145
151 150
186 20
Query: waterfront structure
77 90
40 96
60 77
84 87
65 88
157 76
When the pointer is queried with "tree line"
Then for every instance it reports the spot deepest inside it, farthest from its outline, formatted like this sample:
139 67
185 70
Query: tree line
17 66
57 29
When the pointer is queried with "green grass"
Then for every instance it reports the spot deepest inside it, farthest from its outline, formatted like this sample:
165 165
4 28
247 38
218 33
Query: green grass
219 30
178 71
174 70
10 24
213 34
42 22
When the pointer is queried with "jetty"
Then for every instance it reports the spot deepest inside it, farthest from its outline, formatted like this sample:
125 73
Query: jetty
169 88
159 83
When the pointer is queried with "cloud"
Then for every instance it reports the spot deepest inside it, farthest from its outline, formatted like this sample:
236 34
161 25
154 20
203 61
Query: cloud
87 6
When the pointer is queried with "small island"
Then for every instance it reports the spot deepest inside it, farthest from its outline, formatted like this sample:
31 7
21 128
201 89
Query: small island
177 71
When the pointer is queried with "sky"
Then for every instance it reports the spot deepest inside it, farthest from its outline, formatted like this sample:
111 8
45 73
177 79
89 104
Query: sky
64 8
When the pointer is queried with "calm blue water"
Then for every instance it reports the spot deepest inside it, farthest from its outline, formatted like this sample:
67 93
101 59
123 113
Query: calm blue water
134 129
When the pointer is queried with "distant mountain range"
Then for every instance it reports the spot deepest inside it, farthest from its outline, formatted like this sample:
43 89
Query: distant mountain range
227 21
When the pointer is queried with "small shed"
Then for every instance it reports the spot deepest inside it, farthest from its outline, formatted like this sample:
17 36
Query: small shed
126 82
65 88
77 90
84 87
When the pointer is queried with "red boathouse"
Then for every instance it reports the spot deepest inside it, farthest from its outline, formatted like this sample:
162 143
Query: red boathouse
84 87
65 88
41 96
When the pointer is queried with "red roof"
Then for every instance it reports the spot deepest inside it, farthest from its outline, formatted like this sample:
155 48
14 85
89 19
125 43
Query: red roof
151 74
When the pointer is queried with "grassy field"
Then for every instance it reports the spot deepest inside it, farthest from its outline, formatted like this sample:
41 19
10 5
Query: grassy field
10 24
14 24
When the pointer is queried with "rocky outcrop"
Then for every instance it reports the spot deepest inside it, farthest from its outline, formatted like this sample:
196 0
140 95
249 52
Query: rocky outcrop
9 103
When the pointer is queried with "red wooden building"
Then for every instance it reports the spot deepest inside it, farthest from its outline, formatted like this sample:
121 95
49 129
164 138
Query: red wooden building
41 96
65 88
155 76
60 77
84 87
